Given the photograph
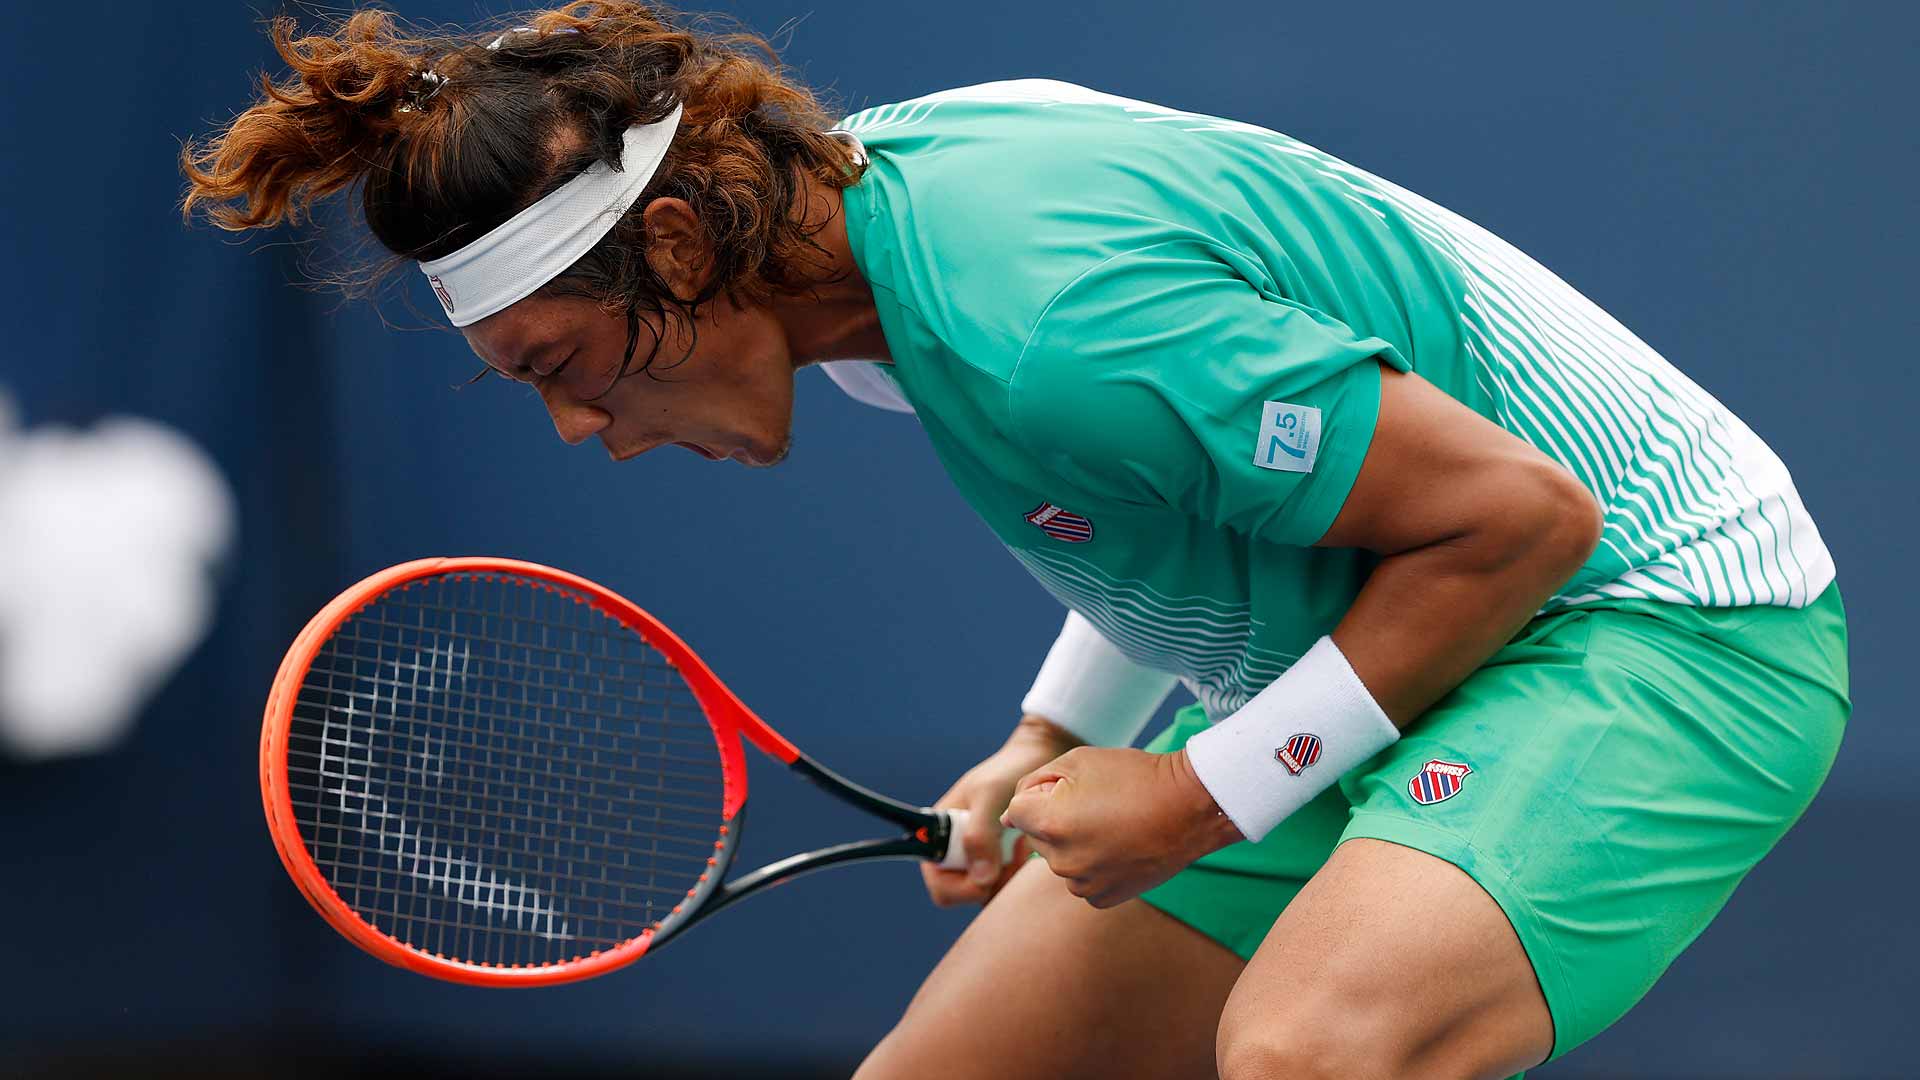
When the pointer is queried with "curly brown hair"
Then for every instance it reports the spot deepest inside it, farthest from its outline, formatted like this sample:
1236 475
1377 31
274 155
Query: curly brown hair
447 138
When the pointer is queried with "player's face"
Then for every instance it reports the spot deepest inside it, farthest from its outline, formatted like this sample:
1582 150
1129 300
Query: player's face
730 398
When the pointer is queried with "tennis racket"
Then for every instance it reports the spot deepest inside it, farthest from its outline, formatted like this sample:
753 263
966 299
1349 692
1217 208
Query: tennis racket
499 773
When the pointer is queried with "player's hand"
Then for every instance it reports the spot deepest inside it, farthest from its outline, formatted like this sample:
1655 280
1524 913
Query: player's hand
984 792
1115 823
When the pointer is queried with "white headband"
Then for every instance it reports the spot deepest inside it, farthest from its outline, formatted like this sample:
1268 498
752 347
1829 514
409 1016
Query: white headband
537 244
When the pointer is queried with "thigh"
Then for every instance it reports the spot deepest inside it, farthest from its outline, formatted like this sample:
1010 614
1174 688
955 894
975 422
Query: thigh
1608 779
1390 962
1042 985
1234 895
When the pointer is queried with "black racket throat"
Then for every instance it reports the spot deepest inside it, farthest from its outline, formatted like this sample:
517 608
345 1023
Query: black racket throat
903 814
928 834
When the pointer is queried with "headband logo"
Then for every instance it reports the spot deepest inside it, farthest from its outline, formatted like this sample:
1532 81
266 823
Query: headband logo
440 290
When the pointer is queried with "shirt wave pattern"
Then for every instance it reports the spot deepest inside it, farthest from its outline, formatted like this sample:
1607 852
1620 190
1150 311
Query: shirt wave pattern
1204 641
1698 510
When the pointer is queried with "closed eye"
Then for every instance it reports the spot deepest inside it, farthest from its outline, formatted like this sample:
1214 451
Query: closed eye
491 372
531 378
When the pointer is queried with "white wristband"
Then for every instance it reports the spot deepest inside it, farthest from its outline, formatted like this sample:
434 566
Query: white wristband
1291 742
1091 689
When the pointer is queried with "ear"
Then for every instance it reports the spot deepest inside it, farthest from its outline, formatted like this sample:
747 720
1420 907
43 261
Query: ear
677 248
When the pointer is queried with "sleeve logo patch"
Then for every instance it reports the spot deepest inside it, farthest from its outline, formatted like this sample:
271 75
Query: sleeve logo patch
1289 438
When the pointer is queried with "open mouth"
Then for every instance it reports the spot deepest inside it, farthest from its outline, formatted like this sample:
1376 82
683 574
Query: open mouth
701 450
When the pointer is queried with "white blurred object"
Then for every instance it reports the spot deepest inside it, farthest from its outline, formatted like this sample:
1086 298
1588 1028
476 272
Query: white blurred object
108 538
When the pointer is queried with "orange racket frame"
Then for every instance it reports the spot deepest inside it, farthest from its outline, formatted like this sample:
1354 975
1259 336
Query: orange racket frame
730 718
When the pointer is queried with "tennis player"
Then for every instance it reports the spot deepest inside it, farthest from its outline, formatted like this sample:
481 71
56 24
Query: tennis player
1513 649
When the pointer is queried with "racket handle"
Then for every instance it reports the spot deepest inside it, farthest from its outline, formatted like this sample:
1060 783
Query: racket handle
956 857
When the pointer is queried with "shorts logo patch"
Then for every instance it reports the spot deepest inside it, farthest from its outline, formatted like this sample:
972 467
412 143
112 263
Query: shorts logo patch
1289 438
1063 525
1301 751
1437 781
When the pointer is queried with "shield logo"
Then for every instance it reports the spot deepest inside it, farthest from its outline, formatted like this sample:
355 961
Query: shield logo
1301 751
1062 525
440 290
1437 781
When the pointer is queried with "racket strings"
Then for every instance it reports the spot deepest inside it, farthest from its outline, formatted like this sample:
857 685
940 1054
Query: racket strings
491 769
629 779
607 823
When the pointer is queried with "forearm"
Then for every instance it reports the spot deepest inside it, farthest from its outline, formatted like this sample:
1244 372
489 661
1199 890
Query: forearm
1039 729
1428 615
1426 618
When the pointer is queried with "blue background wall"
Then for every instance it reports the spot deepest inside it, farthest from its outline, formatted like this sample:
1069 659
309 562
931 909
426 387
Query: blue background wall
1733 180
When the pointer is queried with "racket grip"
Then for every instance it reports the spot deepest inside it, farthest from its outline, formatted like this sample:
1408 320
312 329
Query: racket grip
956 857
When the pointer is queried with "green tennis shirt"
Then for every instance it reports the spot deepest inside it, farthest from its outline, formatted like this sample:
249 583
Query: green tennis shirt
1146 346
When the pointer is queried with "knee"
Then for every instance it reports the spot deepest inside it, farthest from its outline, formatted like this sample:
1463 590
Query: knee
1281 1056
1306 1044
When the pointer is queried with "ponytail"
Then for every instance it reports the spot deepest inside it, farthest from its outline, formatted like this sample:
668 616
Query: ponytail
447 137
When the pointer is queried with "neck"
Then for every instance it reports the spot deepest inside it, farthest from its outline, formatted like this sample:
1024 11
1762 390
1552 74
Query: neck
836 318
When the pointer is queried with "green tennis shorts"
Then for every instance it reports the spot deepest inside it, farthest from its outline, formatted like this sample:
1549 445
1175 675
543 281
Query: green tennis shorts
1608 777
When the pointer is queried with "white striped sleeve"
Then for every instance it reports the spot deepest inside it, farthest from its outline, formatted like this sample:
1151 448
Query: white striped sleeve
1088 687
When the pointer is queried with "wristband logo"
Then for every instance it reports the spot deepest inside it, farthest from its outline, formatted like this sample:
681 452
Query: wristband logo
1301 751
1438 781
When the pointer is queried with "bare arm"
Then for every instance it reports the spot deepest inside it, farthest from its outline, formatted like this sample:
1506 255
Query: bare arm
1478 530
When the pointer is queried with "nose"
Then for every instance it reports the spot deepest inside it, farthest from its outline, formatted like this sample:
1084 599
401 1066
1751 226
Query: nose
576 422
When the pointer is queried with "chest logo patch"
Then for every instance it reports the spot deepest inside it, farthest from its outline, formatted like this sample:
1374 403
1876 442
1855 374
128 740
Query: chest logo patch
1062 525
1289 438
1301 751
1438 781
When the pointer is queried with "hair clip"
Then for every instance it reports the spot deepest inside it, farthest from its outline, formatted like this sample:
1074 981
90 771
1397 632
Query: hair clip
430 83
497 42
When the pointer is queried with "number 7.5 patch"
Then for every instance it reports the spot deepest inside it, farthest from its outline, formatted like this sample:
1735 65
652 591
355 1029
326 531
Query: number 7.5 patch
1289 438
